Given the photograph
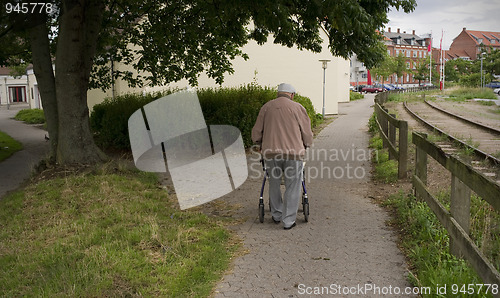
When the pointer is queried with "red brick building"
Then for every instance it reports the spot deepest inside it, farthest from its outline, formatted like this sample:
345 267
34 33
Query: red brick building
412 46
468 43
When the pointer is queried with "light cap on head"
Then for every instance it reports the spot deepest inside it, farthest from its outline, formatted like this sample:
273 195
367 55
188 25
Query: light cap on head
284 87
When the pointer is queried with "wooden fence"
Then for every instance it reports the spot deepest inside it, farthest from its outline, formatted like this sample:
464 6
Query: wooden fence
381 98
457 221
387 125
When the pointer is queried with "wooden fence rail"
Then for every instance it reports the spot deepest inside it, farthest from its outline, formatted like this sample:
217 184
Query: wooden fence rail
457 221
381 98
387 125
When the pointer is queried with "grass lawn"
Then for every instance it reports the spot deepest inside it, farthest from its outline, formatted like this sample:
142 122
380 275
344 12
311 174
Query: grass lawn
108 233
8 146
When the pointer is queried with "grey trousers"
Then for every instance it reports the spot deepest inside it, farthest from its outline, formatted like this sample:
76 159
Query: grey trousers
284 208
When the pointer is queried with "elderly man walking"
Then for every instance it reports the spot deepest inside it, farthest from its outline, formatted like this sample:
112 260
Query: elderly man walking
283 130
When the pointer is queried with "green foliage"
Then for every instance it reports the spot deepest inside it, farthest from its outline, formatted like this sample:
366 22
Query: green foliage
462 94
400 66
8 146
212 34
355 95
386 169
468 72
385 68
486 103
108 234
238 107
109 119
426 243
422 70
372 123
471 80
376 143
31 116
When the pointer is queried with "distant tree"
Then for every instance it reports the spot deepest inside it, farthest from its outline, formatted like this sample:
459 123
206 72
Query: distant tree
384 68
400 66
165 42
421 72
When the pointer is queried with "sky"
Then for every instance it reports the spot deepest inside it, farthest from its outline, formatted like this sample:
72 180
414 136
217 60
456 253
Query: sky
450 16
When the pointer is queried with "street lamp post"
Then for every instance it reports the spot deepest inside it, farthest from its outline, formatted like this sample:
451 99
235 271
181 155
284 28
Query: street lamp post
324 65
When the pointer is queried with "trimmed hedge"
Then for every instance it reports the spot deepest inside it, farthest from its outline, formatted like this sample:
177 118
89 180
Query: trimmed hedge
230 106
31 116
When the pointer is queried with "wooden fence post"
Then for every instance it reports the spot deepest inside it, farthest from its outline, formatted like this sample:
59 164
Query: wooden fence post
421 163
459 209
403 149
392 136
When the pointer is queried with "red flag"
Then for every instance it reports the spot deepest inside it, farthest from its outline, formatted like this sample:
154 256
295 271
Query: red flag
429 45
369 78
441 42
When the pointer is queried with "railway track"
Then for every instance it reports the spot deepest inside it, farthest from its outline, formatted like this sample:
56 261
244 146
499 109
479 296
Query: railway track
482 140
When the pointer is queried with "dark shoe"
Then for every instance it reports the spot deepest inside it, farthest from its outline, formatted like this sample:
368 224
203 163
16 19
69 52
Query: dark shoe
275 221
288 228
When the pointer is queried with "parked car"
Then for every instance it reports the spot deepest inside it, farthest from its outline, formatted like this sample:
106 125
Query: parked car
493 85
497 91
388 87
358 88
372 89
396 87
351 88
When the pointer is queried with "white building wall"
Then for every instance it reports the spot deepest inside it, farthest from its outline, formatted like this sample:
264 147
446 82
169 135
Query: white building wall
269 65
9 81
272 64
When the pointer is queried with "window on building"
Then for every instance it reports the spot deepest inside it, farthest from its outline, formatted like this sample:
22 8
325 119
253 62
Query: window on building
407 53
414 54
17 94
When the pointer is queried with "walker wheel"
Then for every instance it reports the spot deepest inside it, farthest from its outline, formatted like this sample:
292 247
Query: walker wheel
306 211
261 213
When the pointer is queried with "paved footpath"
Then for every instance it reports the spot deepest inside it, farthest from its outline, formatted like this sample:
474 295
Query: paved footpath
345 242
18 167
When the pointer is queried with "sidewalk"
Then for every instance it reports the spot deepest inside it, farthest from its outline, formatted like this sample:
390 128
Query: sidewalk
17 168
345 243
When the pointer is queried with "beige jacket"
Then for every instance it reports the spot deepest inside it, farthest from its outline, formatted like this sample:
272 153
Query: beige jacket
283 128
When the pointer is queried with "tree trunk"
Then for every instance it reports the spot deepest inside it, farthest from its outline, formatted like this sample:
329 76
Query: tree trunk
79 28
42 67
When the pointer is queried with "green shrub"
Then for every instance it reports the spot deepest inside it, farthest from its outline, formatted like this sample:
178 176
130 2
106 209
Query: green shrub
472 80
109 119
238 107
31 116
355 95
